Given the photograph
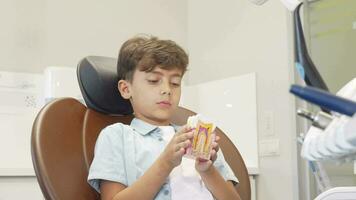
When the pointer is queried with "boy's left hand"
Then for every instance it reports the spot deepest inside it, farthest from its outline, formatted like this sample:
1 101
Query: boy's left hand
202 165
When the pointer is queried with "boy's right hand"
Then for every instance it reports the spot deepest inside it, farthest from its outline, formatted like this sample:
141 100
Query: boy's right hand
175 149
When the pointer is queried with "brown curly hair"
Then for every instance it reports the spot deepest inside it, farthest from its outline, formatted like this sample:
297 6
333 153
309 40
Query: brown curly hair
148 52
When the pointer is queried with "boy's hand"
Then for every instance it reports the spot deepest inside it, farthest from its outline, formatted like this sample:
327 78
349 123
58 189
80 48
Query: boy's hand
175 149
202 165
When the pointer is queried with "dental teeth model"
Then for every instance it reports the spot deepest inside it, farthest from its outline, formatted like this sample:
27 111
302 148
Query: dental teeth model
203 138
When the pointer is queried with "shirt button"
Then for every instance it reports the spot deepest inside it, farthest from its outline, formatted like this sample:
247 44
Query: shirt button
160 139
165 192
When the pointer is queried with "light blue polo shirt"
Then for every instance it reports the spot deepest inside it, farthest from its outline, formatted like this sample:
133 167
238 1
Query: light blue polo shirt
123 153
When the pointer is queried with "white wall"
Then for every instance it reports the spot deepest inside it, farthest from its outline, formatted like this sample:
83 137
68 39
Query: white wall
13 188
38 33
234 37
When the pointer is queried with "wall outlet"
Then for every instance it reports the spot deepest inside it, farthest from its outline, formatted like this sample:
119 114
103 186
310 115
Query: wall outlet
269 147
268 124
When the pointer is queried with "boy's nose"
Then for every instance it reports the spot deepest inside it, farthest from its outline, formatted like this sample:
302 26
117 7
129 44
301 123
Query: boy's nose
166 89
165 92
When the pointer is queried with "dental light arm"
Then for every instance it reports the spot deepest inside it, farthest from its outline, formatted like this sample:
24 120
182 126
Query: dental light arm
303 62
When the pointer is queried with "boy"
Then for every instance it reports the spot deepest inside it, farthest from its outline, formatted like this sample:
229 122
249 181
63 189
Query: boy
144 160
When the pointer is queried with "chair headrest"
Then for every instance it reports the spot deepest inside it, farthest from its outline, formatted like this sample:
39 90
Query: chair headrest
98 79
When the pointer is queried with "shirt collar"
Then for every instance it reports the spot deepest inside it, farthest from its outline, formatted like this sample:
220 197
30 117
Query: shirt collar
144 128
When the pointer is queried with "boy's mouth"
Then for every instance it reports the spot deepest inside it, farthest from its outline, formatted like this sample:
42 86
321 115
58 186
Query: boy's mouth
164 103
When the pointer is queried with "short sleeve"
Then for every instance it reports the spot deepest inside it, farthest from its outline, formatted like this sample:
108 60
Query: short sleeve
224 169
108 162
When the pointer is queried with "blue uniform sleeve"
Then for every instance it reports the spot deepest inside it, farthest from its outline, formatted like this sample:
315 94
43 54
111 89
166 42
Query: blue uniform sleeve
108 162
224 169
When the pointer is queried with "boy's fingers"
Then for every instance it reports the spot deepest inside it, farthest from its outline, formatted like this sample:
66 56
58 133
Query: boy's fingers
180 152
217 138
201 160
215 145
184 129
217 148
184 137
183 145
213 155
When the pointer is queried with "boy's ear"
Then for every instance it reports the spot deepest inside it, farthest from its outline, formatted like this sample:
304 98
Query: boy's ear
124 89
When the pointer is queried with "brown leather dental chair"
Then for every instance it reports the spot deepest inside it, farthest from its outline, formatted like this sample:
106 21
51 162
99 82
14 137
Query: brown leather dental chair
65 131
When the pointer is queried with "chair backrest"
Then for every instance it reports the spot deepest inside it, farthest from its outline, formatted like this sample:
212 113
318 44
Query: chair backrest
65 131
63 140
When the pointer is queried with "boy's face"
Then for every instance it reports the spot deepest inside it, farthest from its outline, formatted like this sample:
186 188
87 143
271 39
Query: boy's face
154 95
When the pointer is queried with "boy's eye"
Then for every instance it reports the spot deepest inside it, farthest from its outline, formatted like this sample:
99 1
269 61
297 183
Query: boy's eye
152 81
175 84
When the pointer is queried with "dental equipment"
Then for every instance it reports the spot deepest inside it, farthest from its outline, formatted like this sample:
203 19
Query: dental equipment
335 140
320 120
325 99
